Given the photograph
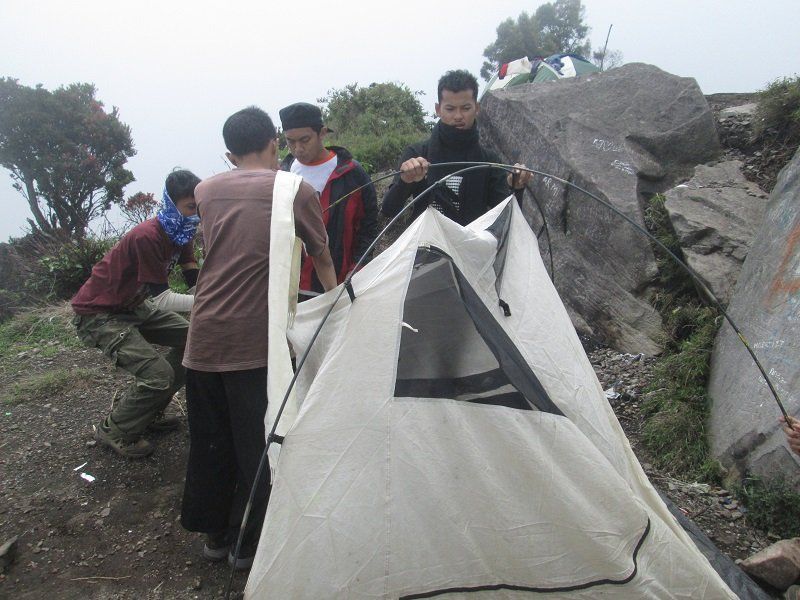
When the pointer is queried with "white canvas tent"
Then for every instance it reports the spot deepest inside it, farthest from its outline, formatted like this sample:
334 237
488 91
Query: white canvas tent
451 440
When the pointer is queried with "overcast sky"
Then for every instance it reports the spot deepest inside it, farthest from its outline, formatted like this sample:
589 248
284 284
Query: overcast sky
177 69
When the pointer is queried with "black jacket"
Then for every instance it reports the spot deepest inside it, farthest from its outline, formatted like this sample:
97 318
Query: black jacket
496 190
351 224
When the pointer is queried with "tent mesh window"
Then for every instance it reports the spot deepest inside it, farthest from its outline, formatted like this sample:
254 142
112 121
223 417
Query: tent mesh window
451 347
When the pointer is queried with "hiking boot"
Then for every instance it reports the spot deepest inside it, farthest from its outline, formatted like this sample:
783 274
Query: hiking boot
164 422
217 546
138 449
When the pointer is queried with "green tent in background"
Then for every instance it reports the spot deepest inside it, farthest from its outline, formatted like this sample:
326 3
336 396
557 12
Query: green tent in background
557 66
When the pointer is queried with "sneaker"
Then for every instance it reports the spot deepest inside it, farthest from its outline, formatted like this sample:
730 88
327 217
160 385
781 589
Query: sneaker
164 422
245 560
138 449
217 546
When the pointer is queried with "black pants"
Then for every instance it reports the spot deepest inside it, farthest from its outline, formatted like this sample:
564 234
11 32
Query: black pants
226 432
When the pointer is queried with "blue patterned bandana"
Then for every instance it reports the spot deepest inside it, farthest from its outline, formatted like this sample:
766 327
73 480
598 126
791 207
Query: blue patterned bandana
179 228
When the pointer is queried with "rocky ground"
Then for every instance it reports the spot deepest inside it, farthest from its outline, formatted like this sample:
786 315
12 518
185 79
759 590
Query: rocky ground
762 158
624 377
89 524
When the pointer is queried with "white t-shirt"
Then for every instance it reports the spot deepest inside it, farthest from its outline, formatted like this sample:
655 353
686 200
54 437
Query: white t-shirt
316 175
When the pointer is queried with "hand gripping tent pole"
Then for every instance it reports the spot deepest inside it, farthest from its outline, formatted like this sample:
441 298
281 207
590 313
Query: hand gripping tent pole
508 168
347 286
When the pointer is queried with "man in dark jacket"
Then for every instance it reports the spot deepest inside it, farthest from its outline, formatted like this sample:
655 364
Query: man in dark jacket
333 172
455 138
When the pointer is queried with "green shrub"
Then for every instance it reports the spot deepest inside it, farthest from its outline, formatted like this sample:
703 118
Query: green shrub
375 123
176 281
772 505
779 109
673 281
378 153
63 267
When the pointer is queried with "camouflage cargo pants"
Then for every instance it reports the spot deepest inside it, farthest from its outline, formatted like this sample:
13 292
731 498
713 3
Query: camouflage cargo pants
127 339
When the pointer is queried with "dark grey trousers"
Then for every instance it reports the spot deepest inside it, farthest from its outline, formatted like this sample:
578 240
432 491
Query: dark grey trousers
226 430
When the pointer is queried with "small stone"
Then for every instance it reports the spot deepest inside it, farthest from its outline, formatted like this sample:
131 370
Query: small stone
91 443
197 584
8 553
105 512
777 565
726 539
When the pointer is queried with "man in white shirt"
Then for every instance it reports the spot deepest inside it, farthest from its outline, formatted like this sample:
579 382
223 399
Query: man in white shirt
332 171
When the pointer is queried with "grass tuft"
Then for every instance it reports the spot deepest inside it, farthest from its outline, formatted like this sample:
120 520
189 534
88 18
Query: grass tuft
677 406
46 385
772 505
36 328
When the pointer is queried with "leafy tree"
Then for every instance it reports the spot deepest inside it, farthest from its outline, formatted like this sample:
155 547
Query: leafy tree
376 122
66 154
138 208
554 27
610 59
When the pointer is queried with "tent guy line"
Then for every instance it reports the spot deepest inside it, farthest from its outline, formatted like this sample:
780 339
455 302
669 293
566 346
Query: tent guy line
347 286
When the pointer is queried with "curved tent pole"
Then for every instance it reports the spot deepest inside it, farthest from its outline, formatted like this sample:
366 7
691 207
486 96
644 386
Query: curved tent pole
471 166
508 168
695 277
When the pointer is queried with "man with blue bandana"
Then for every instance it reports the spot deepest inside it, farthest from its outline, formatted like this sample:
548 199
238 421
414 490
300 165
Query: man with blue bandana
126 306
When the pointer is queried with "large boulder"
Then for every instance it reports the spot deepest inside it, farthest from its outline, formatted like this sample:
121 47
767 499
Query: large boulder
745 432
624 135
716 215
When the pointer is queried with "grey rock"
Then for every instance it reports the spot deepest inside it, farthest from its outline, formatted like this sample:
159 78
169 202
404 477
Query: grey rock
778 565
744 429
623 135
716 215
744 109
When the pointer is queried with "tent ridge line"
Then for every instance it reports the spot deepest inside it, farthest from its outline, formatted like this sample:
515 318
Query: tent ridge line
539 590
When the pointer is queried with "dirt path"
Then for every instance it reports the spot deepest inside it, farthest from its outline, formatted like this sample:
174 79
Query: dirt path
118 536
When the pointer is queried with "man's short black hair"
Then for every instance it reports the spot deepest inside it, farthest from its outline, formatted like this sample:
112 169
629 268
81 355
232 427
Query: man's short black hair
181 183
458 81
247 131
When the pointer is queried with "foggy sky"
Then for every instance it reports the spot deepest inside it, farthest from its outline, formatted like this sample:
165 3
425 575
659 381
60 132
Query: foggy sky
177 69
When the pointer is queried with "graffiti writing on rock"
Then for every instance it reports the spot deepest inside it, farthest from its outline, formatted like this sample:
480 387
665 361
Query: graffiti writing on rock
624 167
607 145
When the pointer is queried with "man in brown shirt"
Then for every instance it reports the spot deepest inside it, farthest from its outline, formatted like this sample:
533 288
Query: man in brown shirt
226 349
